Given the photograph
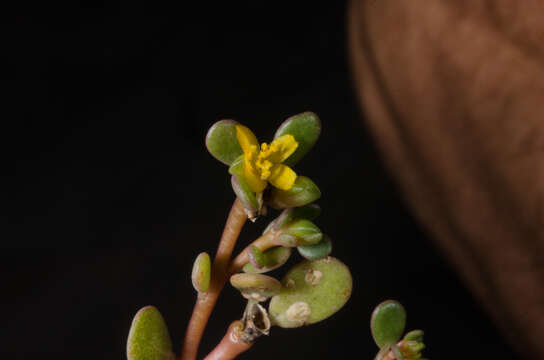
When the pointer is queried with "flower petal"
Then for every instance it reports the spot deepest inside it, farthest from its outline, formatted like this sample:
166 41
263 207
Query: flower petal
246 138
253 179
282 177
284 146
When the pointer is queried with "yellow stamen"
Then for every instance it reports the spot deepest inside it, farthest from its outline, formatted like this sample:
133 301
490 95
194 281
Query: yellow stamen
264 163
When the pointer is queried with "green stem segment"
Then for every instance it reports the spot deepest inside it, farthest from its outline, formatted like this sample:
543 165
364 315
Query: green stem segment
220 271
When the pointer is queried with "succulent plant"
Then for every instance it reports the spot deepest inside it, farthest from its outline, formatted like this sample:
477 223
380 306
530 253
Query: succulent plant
387 325
262 176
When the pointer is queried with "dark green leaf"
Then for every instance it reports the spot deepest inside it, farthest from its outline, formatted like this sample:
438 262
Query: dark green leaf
304 231
303 192
387 323
316 251
309 212
222 143
305 128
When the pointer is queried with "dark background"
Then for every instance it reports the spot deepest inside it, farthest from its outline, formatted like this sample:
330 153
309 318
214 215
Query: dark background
108 192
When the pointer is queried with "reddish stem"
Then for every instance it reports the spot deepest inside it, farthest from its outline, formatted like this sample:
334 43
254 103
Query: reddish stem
206 301
231 345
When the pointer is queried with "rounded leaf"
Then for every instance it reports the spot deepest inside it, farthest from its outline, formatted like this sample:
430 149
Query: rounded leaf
305 128
201 272
311 291
308 212
272 259
148 338
303 192
387 323
255 286
222 143
414 335
300 232
317 251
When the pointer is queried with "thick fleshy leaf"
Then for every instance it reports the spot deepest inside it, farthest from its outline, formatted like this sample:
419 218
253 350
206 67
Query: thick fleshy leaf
201 272
256 256
308 212
412 348
387 323
222 143
148 338
246 196
237 166
311 291
299 232
414 335
303 192
305 128
316 251
255 286
272 259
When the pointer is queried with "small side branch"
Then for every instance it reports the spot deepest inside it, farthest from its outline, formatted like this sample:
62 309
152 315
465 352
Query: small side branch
264 243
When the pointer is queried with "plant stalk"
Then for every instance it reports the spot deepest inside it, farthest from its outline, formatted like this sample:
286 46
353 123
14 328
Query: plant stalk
206 301
231 345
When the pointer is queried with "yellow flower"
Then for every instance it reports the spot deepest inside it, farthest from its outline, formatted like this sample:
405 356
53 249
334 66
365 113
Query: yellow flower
263 163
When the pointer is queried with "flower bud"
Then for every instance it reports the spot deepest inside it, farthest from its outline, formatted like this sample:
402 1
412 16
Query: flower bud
201 273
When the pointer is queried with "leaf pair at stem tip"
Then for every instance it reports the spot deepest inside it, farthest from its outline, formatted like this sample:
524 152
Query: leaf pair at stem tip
387 324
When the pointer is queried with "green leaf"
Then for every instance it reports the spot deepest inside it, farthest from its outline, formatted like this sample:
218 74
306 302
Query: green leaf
256 257
237 166
241 188
201 272
272 259
311 291
316 251
148 338
308 212
246 195
300 232
222 143
305 128
255 286
387 323
303 192
414 335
